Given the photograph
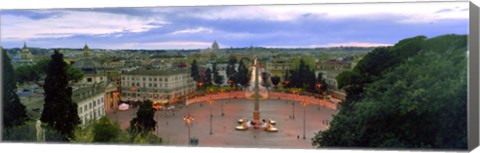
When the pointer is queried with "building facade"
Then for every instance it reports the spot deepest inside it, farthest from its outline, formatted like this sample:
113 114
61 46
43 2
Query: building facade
91 103
156 85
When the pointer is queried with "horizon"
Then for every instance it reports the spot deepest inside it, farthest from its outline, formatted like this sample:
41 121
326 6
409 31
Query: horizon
197 27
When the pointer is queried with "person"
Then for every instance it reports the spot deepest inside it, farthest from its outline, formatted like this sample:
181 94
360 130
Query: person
298 136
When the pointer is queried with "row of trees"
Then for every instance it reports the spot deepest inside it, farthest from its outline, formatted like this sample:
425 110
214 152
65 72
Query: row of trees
210 77
303 77
410 95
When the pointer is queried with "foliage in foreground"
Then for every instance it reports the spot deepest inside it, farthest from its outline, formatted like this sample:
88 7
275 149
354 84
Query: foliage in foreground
104 131
411 95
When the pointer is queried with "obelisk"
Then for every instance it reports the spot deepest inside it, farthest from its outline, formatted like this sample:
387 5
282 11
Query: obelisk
256 112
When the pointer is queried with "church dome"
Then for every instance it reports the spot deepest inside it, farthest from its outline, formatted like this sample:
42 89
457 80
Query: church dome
88 66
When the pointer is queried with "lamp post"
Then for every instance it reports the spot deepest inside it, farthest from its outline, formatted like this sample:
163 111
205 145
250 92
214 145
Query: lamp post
222 90
294 92
210 102
211 116
318 85
188 119
304 116
134 90
200 84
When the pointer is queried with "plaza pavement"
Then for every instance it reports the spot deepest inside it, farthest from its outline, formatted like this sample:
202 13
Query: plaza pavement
173 129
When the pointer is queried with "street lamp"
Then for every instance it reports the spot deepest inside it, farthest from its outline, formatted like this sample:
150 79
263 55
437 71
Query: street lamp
200 84
134 90
210 102
294 92
222 90
188 119
304 116
318 85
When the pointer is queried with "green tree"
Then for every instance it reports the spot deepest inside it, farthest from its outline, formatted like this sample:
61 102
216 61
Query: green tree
194 71
242 75
420 102
217 79
99 131
275 80
231 67
36 73
14 112
144 121
105 131
58 99
208 78
323 84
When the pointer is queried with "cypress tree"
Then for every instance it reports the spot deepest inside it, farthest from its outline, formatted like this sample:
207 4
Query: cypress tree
14 112
208 77
60 112
242 75
217 79
194 71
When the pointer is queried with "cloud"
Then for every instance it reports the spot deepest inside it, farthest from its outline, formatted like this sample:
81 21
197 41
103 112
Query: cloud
357 44
69 23
167 45
193 30
417 12
346 44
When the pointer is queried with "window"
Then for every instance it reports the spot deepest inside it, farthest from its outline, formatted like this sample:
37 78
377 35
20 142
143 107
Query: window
149 85
133 84
90 106
89 79
85 107
94 103
81 109
94 114
102 100
123 78
144 79
154 79
149 79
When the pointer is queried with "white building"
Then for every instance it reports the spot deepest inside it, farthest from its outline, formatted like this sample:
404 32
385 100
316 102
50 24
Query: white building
91 103
156 85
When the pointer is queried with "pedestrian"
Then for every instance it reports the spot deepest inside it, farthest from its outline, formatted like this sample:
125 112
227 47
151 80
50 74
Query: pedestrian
298 136
167 123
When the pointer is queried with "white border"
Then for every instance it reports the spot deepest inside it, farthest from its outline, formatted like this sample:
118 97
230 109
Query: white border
71 148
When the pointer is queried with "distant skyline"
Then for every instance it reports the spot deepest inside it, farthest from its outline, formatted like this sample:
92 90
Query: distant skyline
277 26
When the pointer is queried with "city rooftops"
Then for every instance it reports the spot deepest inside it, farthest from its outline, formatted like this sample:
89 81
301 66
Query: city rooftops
157 72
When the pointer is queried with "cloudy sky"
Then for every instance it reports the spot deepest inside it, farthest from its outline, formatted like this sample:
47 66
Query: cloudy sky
232 26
